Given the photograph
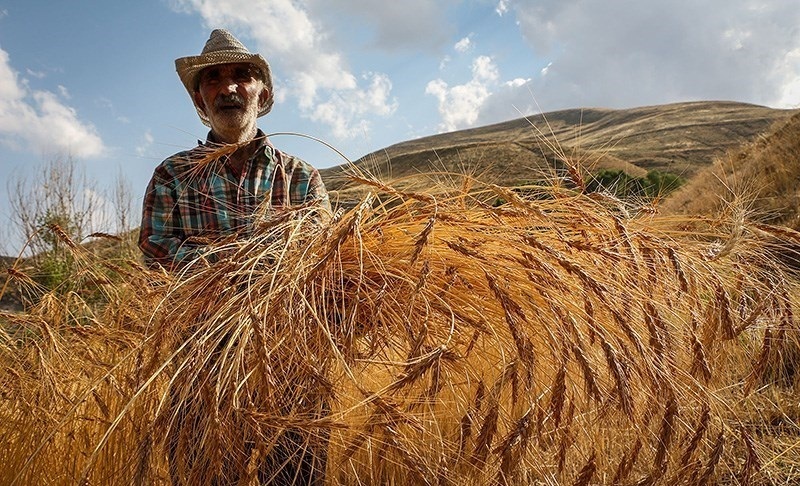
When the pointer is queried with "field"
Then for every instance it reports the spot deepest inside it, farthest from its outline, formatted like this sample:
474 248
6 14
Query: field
454 332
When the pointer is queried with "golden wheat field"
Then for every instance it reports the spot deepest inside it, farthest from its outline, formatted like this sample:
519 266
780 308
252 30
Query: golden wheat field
437 337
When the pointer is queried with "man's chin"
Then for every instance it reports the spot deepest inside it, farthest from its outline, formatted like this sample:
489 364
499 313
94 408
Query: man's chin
228 113
229 120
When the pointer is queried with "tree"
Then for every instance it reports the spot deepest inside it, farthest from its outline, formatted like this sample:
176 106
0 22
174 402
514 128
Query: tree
60 195
53 211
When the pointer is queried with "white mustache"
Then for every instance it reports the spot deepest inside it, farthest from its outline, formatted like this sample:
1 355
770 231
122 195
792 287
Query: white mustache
230 99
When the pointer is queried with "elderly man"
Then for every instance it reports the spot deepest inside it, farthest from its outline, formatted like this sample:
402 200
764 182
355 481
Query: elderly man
192 200
184 207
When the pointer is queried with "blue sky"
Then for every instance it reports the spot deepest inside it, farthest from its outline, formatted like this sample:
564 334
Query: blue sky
96 80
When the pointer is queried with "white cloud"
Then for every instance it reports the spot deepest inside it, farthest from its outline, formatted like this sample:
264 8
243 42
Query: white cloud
35 74
11 88
517 82
501 8
64 92
145 144
464 44
789 79
617 53
310 69
37 120
484 69
511 99
346 113
460 105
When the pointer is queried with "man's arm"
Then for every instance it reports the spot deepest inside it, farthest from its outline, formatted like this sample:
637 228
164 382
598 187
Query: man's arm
161 235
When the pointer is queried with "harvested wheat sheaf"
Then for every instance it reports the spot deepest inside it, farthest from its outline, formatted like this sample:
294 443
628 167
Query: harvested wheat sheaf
419 338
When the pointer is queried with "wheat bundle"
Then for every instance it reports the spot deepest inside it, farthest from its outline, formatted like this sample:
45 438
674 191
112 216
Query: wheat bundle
416 339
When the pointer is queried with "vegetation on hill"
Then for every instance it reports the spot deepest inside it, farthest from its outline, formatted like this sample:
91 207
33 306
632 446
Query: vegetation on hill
678 139
622 185
763 173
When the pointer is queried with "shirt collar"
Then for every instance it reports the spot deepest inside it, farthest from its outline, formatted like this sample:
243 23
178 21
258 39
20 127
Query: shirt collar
265 147
260 135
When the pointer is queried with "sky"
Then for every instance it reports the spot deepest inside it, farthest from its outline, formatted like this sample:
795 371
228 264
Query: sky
94 80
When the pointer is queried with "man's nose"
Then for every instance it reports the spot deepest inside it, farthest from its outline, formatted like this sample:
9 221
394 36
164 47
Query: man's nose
231 86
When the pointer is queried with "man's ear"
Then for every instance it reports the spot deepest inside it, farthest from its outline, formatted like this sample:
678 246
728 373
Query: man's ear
263 97
198 101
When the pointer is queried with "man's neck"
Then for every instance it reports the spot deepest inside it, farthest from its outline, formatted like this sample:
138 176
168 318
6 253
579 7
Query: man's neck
234 136
247 146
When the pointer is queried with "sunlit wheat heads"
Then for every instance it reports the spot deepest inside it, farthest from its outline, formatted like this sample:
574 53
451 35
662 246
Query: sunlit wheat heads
432 337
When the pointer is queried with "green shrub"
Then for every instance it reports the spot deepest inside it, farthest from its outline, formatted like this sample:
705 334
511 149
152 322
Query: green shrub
654 185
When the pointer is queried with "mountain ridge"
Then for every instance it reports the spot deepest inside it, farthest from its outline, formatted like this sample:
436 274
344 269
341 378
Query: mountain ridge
679 138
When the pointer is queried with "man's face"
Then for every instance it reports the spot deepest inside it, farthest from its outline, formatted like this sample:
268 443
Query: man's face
231 95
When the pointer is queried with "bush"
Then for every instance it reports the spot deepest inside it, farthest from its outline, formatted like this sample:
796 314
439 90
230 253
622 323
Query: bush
654 185
54 213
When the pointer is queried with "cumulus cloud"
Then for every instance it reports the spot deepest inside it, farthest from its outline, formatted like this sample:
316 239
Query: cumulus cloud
509 99
464 44
621 53
38 120
460 105
789 73
339 112
311 70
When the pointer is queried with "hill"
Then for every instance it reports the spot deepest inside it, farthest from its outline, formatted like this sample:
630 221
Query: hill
764 172
681 139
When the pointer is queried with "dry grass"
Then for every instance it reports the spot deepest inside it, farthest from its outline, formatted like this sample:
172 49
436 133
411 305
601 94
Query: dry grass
761 174
423 338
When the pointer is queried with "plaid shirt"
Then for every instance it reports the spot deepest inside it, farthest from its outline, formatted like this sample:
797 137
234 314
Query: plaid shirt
187 205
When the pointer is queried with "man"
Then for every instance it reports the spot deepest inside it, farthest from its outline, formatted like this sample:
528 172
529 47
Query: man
190 200
195 197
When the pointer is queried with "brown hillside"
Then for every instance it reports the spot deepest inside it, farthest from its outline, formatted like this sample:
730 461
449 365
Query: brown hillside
679 138
763 173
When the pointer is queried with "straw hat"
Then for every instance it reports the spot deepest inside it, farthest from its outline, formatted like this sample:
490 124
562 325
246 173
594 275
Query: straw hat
221 48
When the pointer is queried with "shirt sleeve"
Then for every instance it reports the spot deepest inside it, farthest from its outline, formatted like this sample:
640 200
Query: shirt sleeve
303 184
161 235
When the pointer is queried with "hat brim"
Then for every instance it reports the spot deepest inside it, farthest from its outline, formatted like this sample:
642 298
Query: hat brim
189 69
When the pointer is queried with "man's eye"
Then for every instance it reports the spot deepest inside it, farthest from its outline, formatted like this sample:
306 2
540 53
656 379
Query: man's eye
242 75
211 76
